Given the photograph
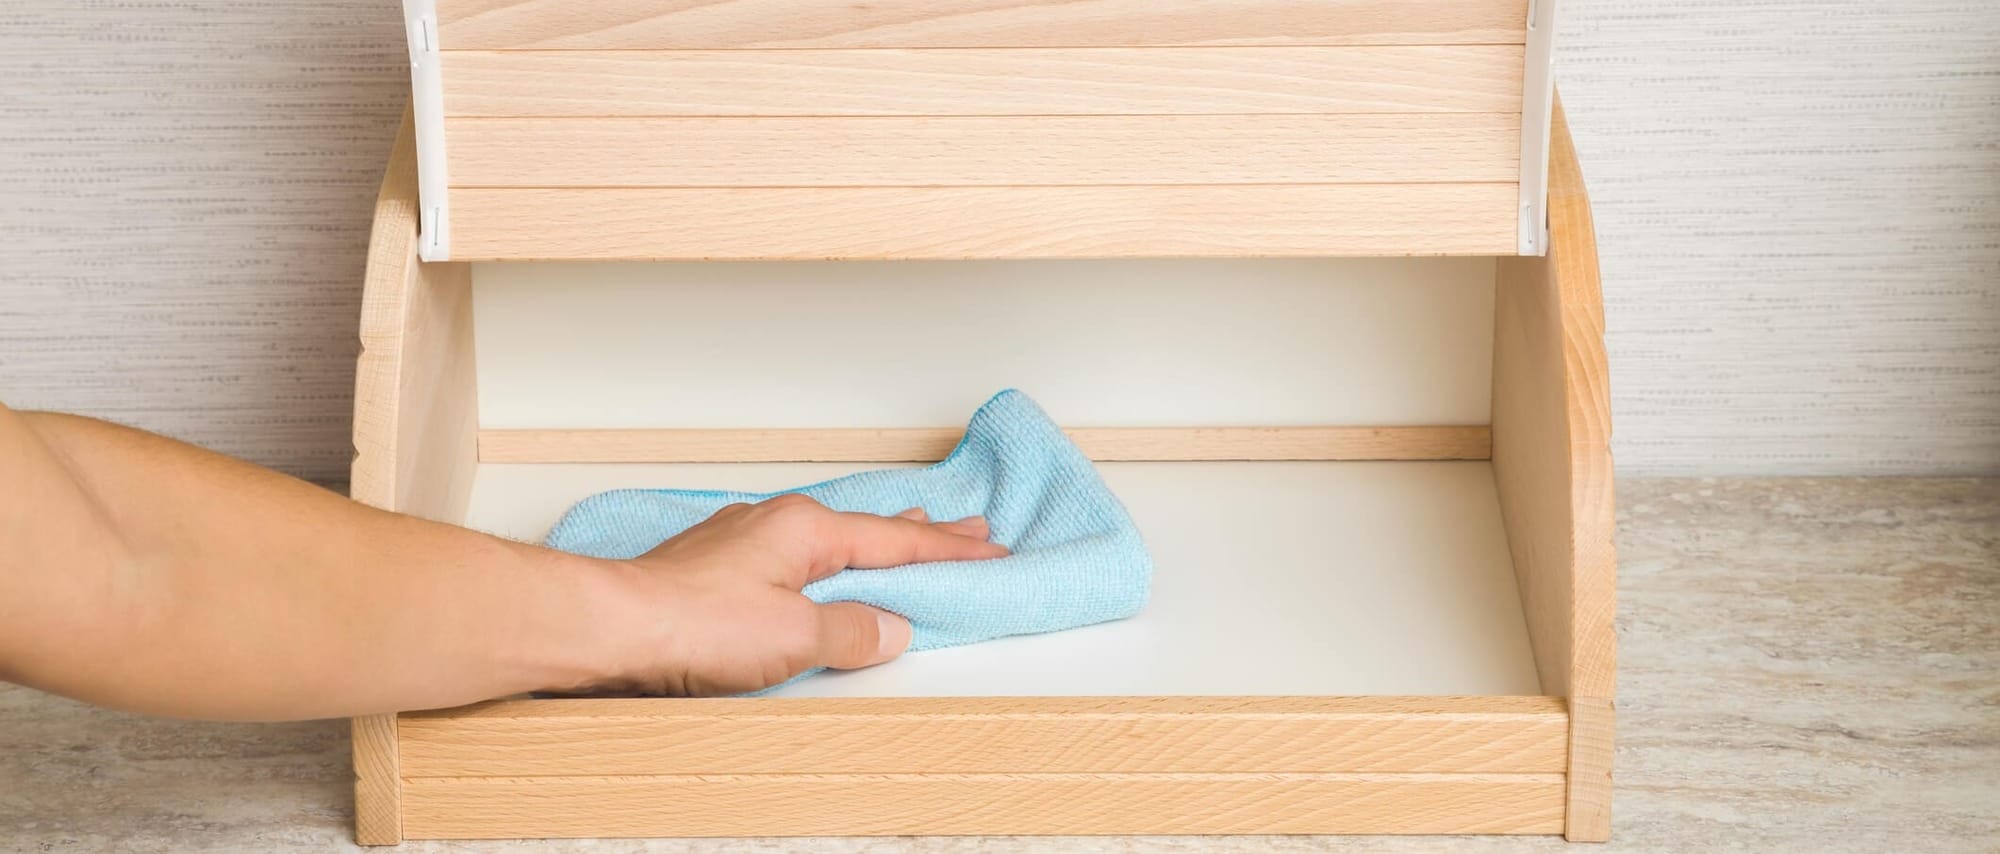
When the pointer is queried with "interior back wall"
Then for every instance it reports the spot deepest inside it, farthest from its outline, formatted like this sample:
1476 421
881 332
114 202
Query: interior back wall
1798 212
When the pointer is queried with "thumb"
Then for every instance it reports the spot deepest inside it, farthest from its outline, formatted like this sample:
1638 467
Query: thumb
853 635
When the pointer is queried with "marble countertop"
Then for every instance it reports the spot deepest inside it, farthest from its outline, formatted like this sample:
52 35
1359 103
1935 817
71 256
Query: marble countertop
1804 665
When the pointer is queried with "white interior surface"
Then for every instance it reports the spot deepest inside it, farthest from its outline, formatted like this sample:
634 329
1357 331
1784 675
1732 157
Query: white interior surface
1398 341
1375 578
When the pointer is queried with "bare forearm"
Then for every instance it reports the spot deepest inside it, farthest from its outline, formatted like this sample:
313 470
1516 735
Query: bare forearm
177 581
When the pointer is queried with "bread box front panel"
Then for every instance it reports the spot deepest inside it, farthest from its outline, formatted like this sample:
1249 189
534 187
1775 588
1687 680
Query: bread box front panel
980 128
1381 501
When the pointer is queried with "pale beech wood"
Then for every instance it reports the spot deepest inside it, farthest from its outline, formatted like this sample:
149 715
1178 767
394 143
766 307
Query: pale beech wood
378 785
415 407
982 150
654 24
981 804
540 738
415 419
1104 444
1552 464
1028 81
1587 815
983 222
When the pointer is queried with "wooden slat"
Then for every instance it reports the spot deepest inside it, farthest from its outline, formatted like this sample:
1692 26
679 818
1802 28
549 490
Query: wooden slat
991 735
1116 81
654 24
981 804
884 445
977 150
984 222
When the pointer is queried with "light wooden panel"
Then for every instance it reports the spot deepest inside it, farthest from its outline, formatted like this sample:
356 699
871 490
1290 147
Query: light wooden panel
415 395
1104 81
1104 444
652 24
981 804
415 417
1551 441
963 151
984 222
1552 463
536 738
1130 343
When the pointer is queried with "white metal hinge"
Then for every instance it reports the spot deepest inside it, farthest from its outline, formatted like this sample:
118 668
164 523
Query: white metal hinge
427 105
1537 111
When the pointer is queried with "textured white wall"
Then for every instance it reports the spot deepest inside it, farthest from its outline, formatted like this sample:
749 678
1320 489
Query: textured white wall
1799 211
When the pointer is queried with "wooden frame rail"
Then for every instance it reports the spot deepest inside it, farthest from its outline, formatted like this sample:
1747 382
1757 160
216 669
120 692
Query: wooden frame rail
1103 444
991 765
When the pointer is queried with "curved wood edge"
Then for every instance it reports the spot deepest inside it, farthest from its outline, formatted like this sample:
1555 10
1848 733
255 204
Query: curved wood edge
1594 595
1586 369
415 425
1552 464
378 808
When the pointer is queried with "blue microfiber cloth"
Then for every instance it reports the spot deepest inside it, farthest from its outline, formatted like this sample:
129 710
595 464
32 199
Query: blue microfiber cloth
1077 558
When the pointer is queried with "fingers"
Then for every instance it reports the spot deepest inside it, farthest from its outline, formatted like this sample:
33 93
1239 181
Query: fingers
867 541
853 635
970 526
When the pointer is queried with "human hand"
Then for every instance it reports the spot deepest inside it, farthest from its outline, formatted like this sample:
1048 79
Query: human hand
733 617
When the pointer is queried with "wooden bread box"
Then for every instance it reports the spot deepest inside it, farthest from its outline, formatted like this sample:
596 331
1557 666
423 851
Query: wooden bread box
1314 280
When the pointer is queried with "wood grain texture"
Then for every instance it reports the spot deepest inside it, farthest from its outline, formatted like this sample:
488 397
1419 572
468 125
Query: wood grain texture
415 407
1587 813
1551 441
1104 444
981 804
1024 81
378 784
541 738
653 25
1552 464
979 150
983 222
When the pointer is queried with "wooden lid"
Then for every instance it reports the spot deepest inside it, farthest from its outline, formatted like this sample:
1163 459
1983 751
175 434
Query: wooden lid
655 129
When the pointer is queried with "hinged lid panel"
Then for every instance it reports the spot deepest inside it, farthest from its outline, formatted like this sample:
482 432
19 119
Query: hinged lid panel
646 129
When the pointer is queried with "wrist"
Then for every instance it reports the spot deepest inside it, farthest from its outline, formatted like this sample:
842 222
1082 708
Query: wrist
592 618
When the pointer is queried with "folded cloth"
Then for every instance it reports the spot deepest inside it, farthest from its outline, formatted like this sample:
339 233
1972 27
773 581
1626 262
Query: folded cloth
1077 558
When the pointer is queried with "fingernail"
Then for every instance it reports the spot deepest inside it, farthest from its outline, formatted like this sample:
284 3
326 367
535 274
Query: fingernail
915 514
893 634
